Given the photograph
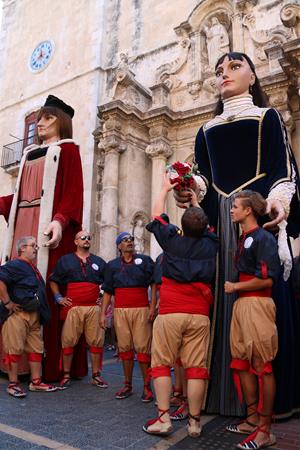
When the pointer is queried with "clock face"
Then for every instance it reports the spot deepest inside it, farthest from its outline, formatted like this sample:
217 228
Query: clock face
41 56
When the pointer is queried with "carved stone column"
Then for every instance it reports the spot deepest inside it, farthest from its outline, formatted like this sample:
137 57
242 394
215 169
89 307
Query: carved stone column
159 151
237 32
112 147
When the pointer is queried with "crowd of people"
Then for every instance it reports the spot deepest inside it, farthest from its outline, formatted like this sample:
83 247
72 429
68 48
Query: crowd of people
218 304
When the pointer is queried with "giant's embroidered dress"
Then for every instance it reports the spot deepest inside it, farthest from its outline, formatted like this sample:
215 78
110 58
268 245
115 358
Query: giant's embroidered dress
246 148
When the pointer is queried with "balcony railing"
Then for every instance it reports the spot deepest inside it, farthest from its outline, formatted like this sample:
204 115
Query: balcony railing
12 154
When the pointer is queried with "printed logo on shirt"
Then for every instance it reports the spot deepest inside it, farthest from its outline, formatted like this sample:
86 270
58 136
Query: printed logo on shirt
95 266
138 261
248 242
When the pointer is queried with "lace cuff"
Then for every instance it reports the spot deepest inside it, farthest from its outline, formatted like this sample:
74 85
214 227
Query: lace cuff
284 193
201 188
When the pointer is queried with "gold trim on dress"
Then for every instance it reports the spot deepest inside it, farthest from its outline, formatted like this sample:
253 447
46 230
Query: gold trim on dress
27 204
238 188
259 143
223 121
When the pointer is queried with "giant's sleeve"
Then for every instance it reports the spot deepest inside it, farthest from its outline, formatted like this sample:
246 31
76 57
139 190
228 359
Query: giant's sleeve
267 259
202 158
277 159
70 194
5 205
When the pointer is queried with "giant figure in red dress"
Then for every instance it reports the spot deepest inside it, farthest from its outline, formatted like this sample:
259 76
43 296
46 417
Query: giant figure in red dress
48 203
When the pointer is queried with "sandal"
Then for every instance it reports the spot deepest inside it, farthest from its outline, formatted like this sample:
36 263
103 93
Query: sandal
147 395
125 392
65 382
181 413
250 444
194 428
176 399
98 381
158 426
37 385
236 428
15 390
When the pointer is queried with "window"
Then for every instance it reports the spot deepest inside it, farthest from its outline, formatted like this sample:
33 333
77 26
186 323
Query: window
30 129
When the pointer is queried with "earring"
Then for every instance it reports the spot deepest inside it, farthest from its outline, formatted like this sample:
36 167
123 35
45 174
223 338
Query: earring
251 89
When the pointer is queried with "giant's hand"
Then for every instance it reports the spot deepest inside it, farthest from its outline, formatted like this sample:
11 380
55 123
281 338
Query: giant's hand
276 212
182 198
54 230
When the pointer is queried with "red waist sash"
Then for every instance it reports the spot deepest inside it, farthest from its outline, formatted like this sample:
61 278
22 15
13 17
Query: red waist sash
267 292
82 294
131 297
191 298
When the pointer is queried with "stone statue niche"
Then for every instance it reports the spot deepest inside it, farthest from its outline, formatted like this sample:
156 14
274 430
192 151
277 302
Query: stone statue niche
215 41
139 234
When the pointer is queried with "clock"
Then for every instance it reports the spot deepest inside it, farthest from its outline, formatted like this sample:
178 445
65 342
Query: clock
41 56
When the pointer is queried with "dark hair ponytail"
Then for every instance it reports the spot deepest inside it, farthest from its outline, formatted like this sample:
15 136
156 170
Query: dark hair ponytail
259 97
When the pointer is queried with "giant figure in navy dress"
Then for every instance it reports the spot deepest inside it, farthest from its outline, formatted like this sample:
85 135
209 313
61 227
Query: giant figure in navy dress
246 147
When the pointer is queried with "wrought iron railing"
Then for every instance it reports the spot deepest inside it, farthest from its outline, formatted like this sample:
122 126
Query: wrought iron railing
12 153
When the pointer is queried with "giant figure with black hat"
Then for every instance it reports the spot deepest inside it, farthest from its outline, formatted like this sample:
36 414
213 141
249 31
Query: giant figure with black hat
47 204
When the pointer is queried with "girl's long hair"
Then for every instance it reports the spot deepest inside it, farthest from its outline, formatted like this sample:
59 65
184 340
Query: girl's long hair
259 97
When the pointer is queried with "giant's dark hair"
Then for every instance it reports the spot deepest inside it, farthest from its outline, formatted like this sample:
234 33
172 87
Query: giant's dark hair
259 97
64 121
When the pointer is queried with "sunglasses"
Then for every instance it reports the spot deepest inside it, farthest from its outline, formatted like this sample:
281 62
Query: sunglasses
85 238
128 239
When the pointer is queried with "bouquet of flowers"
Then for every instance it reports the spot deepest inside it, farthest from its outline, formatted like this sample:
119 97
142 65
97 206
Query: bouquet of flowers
181 173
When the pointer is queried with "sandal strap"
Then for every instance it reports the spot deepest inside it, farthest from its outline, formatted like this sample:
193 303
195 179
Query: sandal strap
36 380
162 411
196 418
252 436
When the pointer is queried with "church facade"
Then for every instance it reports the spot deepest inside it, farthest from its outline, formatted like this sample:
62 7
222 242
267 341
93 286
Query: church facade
140 75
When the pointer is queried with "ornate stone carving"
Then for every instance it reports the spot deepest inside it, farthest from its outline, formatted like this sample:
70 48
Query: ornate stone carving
194 89
159 148
160 95
217 40
166 72
112 143
264 38
290 17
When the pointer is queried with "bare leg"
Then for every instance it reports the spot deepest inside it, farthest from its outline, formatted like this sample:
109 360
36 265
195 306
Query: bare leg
250 390
144 370
128 369
95 360
163 389
35 369
195 393
67 362
13 372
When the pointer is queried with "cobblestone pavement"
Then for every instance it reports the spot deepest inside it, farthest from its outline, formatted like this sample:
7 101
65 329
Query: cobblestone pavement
86 417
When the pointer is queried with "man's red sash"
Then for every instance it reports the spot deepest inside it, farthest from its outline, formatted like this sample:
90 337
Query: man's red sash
259 293
190 298
131 297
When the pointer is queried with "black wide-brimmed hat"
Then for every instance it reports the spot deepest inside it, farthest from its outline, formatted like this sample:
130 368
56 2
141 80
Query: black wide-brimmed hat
58 103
